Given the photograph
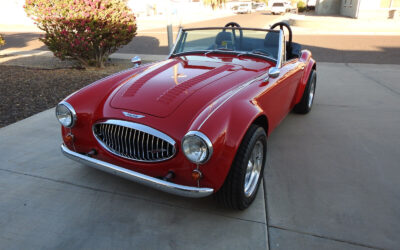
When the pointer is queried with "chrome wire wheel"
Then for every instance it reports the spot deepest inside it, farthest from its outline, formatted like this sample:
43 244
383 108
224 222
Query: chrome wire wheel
253 171
240 187
311 94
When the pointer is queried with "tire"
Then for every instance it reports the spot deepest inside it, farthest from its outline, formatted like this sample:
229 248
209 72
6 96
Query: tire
240 187
307 100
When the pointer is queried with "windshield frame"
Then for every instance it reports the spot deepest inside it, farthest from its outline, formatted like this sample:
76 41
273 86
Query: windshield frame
278 60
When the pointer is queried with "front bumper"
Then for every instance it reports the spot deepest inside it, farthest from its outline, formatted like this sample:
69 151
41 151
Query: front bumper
165 186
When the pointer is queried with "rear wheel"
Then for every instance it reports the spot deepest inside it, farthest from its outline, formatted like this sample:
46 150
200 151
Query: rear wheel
304 106
241 185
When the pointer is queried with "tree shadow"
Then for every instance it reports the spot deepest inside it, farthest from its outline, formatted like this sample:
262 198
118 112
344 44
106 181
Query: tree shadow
144 45
30 41
389 54
352 49
25 41
385 55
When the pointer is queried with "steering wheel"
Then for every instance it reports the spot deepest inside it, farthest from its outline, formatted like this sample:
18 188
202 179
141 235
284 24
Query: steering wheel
281 25
233 24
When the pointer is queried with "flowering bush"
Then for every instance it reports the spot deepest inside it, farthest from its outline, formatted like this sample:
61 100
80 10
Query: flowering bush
2 42
301 6
85 30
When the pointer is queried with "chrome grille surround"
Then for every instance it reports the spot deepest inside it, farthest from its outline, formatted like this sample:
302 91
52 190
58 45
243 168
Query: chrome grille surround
134 141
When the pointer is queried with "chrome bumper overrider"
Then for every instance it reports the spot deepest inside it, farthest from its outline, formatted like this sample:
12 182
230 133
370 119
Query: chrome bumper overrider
165 186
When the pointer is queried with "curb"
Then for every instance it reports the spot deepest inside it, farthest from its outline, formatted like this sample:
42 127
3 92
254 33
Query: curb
334 26
119 56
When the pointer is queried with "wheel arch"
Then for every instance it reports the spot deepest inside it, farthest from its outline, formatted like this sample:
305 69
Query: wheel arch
262 121
310 65
226 129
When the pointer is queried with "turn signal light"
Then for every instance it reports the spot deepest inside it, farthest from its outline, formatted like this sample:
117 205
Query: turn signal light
196 175
69 138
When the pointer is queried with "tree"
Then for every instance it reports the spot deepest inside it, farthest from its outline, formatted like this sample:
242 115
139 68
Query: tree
214 3
2 42
85 30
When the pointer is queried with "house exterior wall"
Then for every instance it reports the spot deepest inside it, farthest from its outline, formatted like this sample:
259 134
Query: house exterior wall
328 7
364 9
367 9
349 8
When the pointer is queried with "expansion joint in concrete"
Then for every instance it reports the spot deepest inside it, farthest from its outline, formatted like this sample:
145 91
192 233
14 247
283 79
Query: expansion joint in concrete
325 237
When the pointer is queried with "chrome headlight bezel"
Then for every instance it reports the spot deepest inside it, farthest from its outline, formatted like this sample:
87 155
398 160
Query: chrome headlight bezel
203 139
71 114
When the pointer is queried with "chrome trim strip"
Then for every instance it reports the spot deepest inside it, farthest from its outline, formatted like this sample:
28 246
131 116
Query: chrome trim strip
231 94
165 186
142 129
176 42
205 139
280 50
72 110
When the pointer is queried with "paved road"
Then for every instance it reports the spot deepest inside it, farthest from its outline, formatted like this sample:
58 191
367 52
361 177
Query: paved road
325 48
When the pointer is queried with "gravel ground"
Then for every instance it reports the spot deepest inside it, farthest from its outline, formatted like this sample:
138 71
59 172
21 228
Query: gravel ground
27 91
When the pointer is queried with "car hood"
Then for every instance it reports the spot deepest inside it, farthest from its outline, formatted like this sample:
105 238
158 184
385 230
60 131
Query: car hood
161 88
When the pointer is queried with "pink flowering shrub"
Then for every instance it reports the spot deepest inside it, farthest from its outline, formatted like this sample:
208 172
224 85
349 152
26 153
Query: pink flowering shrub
85 30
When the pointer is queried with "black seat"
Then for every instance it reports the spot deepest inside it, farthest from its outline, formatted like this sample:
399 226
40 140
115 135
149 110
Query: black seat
295 51
224 39
271 43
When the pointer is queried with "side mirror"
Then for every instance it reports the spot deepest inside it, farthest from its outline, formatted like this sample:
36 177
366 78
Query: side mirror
136 61
274 72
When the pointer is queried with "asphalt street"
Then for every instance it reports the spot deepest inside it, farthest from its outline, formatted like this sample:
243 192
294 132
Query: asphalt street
344 48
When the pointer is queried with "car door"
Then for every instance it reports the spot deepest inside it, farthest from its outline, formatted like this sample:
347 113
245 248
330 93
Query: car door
277 96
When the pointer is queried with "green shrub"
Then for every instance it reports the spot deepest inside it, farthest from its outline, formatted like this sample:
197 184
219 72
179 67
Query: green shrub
2 42
85 30
301 6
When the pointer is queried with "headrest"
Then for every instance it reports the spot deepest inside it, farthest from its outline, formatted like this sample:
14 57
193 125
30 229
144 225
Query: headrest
223 36
271 39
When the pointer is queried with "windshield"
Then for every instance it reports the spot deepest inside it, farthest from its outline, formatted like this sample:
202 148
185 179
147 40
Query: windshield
229 40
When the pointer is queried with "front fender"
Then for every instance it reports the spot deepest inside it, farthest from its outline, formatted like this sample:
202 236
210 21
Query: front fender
226 126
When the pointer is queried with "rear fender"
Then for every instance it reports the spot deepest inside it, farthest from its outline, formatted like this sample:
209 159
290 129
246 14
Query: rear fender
310 64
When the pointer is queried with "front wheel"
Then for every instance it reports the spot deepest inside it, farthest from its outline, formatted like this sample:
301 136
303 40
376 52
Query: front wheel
307 100
242 183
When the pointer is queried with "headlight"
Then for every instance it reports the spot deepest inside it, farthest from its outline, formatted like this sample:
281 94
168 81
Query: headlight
66 114
197 147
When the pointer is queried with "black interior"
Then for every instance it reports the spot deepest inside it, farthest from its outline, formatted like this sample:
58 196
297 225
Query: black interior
269 44
293 50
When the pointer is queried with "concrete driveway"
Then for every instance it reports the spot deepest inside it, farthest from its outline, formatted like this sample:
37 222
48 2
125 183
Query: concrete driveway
332 182
334 175
51 202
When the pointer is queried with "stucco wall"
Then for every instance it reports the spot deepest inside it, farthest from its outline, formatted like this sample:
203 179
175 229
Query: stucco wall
328 7
349 8
367 9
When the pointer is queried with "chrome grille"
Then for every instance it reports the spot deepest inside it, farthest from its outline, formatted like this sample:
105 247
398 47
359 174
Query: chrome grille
134 141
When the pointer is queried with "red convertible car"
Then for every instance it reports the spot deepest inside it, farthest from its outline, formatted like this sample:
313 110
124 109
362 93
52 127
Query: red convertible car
197 123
